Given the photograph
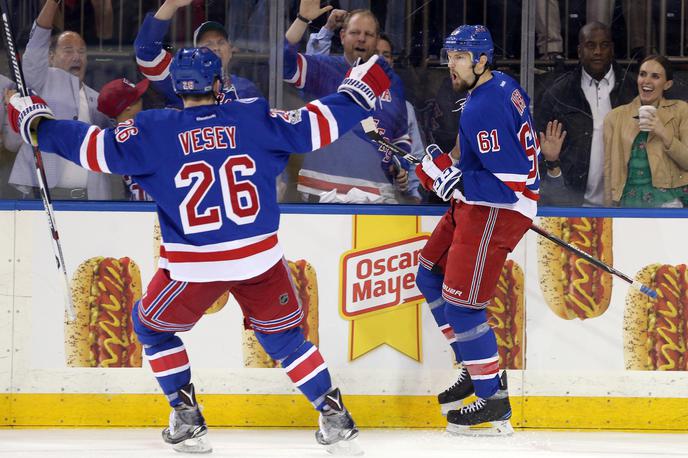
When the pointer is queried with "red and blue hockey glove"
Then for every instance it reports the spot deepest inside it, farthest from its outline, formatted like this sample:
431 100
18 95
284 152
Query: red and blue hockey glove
448 182
24 114
434 162
364 83
437 173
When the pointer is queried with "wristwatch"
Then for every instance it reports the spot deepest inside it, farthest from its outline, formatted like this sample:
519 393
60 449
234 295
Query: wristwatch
551 165
303 19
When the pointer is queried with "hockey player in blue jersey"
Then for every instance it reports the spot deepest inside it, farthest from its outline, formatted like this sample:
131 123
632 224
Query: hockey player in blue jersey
358 172
211 170
493 190
154 61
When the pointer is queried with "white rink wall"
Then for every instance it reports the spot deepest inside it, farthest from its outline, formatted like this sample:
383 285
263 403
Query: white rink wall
563 358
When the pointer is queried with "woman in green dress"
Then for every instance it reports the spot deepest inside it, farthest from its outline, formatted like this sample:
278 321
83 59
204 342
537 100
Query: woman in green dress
646 144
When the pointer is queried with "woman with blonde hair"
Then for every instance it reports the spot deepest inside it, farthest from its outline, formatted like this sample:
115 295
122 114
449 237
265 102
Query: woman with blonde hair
646 144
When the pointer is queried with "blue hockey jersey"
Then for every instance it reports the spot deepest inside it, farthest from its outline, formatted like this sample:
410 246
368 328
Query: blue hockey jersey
318 75
211 171
154 63
499 147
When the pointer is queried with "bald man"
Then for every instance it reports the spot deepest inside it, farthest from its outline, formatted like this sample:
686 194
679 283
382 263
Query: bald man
55 68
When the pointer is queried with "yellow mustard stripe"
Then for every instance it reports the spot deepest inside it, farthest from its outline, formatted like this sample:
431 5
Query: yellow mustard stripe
540 412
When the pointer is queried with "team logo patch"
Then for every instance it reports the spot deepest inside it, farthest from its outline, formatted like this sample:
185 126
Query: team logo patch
386 96
284 298
517 100
292 117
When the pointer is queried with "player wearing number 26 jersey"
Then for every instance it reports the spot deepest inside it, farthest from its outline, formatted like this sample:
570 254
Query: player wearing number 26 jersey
211 169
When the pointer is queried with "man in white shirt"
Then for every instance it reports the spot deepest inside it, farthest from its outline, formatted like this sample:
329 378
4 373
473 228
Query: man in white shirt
570 119
55 69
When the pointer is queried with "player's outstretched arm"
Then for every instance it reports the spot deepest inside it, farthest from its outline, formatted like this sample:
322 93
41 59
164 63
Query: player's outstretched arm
323 121
152 60
119 150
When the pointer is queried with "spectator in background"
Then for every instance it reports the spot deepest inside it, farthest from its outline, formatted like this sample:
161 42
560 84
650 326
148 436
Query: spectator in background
570 118
120 100
320 45
549 43
154 61
634 13
646 144
55 70
362 173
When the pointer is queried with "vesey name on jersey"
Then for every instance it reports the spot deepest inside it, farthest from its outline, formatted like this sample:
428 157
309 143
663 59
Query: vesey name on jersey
207 138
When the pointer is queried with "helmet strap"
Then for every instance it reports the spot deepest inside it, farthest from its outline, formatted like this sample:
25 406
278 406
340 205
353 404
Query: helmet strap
477 76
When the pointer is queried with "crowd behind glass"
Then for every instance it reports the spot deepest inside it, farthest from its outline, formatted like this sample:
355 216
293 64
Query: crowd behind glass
607 96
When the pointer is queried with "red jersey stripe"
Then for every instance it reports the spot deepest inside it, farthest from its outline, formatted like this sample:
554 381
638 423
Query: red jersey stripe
92 151
323 124
158 69
226 255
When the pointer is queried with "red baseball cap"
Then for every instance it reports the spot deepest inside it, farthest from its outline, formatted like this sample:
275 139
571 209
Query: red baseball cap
118 94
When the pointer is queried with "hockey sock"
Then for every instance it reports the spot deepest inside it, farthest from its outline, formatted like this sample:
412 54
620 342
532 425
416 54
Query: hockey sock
166 355
430 284
308 370
478 346
303 362
170 365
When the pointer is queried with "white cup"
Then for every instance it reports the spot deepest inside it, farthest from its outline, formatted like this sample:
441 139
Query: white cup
645 112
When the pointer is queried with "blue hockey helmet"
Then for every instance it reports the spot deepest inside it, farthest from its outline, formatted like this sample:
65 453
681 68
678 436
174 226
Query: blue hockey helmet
469 38
194 70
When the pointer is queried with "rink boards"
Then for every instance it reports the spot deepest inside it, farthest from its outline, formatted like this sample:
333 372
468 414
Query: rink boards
382 346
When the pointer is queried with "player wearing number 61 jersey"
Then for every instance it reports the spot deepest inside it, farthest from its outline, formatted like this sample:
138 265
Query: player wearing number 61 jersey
211 169
493 191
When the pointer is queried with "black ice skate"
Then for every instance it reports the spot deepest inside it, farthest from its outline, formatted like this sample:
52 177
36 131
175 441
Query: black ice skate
495 410
337 429
452 398
187 431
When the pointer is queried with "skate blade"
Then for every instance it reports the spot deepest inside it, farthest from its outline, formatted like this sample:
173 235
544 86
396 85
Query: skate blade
454 405
495 428
199 444
349 447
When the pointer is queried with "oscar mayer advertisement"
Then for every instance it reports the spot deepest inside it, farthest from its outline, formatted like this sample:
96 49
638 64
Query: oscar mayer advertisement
561 325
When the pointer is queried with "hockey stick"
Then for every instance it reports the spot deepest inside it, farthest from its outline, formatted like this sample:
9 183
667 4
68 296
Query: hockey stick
38 159
372 133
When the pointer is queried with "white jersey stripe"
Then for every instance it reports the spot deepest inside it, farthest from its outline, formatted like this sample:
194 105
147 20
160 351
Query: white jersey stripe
301 358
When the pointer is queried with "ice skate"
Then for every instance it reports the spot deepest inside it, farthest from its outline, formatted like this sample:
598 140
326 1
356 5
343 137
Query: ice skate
492 414
452 398
337 430
187 431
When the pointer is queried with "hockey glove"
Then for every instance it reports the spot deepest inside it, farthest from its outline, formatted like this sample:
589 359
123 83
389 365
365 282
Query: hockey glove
364 83
449 181
433 164
24 114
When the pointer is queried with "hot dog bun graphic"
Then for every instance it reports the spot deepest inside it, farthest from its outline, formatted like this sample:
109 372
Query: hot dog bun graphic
306 282
157 241
655 333
104 291
571 286
505 315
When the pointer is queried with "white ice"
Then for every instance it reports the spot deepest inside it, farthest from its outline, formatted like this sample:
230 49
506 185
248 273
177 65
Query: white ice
377 443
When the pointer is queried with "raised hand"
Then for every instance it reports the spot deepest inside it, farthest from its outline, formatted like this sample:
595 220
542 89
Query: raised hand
551 140
310 9
24 114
